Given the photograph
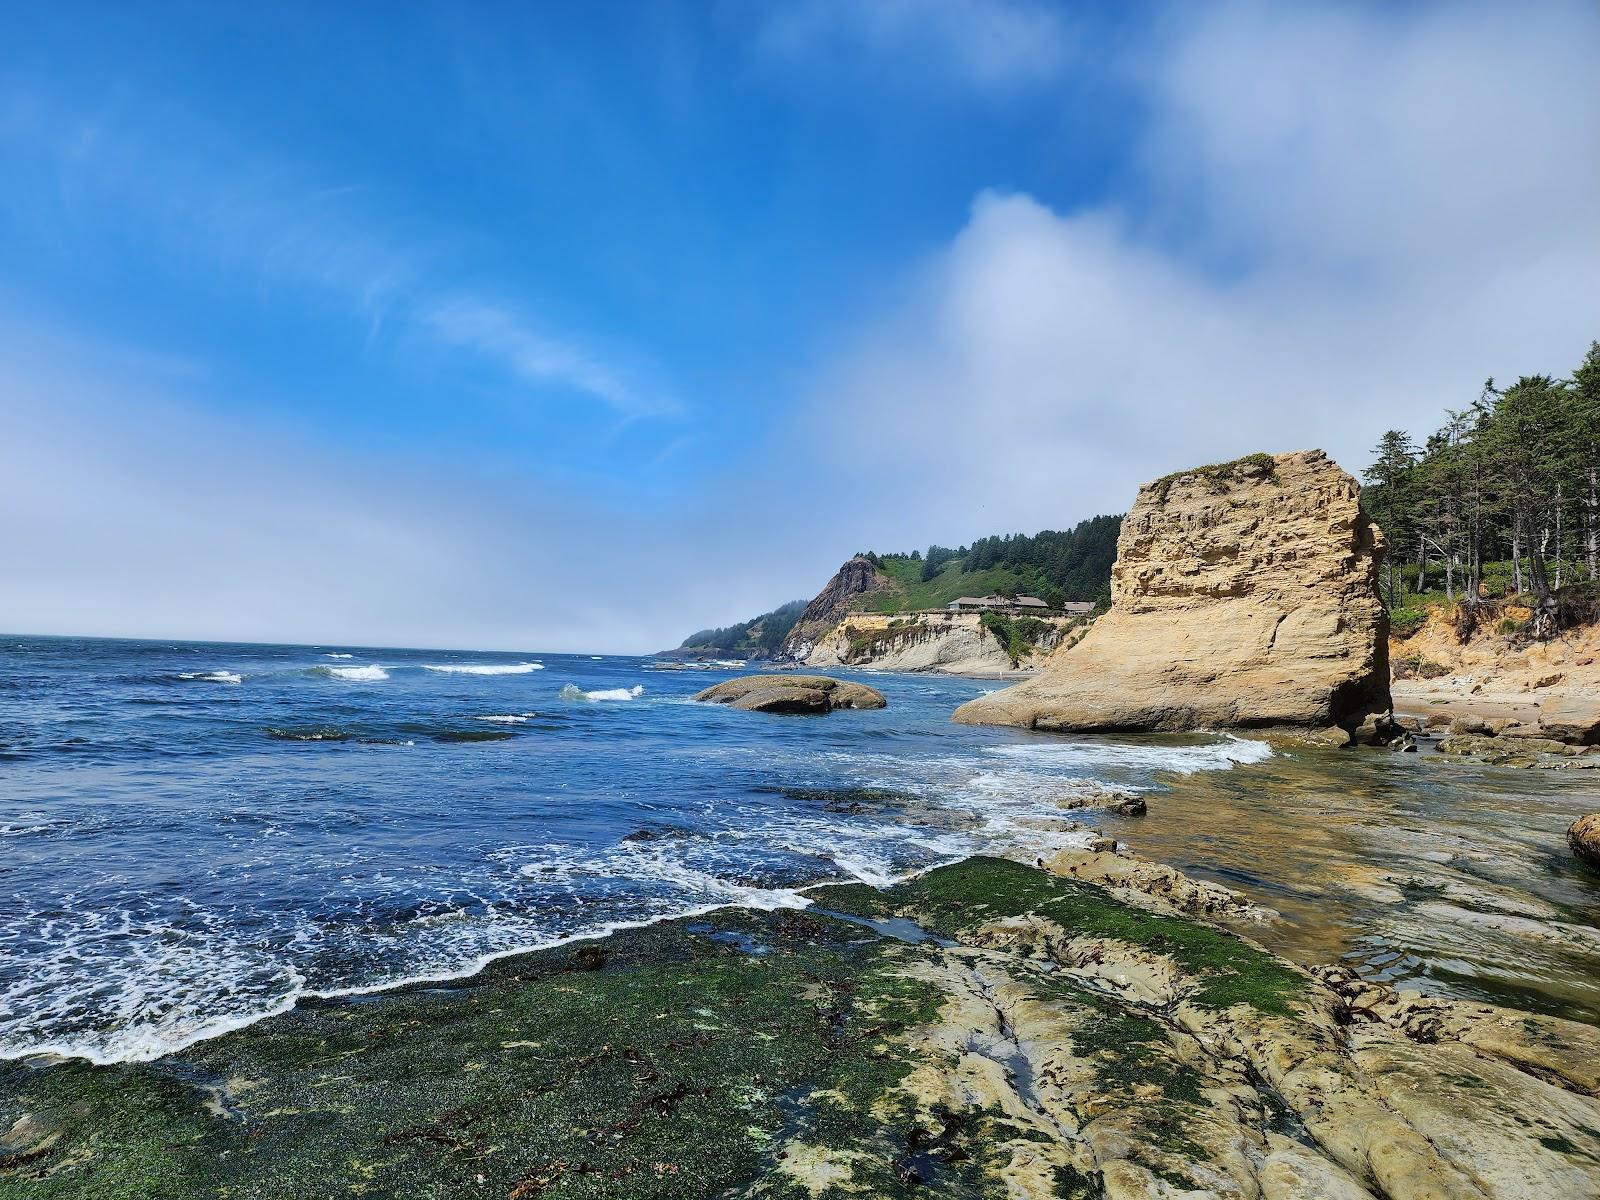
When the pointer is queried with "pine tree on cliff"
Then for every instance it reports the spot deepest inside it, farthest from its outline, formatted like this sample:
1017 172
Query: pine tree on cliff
1390 501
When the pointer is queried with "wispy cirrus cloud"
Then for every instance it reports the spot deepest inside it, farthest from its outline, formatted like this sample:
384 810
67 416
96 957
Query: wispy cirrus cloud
535 356
985 43
275 227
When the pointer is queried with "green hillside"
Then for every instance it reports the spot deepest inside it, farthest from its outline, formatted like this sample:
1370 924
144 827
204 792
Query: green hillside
757 637
1054 565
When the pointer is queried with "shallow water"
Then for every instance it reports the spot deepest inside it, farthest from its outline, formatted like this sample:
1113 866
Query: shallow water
1417 869
193 836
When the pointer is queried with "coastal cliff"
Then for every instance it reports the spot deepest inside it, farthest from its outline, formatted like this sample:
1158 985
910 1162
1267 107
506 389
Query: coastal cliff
1244 594
857 578
950 643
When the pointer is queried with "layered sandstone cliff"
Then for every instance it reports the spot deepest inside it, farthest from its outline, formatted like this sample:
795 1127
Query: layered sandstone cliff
944 643
1244 594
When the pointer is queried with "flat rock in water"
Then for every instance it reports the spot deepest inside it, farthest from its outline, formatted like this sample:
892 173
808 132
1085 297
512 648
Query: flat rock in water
791 694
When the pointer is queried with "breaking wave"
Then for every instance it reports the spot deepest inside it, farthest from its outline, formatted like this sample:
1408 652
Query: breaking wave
367 674
484 668
572 691
212 676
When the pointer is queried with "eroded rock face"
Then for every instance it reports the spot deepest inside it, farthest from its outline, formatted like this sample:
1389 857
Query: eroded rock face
1243 595
837 599
791 694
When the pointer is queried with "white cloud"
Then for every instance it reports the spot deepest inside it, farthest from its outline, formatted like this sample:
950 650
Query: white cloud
160 516
502 334
988 43
1351 219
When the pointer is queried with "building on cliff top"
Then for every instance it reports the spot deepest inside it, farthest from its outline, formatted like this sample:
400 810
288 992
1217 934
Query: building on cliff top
1022 604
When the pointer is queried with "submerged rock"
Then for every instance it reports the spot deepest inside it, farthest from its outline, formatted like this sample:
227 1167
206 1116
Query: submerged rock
791 694
1584 838
1243 595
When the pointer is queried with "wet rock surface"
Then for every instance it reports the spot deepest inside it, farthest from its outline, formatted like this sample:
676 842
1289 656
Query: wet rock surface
1045 1038
791 694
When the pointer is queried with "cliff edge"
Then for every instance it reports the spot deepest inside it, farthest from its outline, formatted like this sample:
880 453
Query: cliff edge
1244 594
836 600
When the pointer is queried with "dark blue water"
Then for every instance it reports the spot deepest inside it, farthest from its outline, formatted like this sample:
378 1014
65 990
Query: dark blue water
194 835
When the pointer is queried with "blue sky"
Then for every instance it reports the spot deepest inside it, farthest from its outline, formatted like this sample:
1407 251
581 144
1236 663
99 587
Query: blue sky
580 326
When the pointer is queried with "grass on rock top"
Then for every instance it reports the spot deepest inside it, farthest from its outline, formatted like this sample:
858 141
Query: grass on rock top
1218 476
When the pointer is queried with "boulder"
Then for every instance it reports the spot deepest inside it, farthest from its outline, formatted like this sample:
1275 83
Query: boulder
1244 594
1584 838
791 694
1571 717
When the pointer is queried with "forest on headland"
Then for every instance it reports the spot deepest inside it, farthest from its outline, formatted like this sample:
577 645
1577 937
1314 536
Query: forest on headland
1498 506
1055 565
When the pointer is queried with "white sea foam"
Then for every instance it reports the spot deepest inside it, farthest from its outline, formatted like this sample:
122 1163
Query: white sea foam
572 691
162 989
213 676
332 655
1227 751
366 674
484 668
180 987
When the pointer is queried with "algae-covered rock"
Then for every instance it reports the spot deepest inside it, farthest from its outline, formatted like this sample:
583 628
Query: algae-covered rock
985 1029
791 694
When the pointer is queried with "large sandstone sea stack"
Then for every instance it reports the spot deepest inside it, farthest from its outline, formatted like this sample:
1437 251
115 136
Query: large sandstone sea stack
1244 594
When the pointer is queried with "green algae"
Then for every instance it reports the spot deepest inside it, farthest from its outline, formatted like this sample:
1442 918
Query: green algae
660 1071
682 1060
961 898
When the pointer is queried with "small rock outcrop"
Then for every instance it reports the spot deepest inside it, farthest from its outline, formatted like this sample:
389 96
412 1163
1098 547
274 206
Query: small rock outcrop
833 603
1571 717
1584 838
1244 594
791 694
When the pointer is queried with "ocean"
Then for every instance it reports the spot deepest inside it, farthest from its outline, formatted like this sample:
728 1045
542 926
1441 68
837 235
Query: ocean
194 836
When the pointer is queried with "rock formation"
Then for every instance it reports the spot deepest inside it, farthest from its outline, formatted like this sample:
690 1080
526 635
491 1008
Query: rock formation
791 694
856 578
1244 594
950 643
1584 838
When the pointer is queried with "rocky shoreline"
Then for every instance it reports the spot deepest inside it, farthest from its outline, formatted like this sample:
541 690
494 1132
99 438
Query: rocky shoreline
1090 1026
